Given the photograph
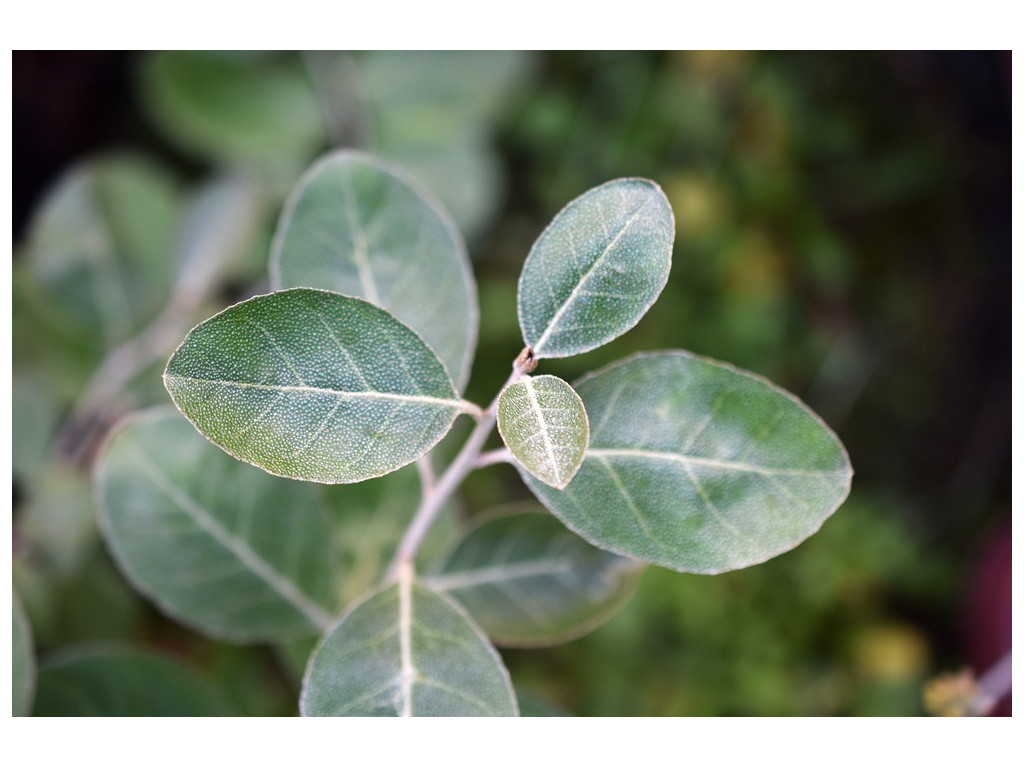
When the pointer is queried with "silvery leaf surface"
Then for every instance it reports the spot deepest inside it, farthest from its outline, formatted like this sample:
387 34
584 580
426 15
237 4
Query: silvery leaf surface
544 424
530 582
406 651
217 544
360 227
597 268
313 385
698 466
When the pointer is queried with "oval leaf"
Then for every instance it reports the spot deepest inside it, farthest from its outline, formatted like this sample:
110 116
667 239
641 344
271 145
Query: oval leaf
23 663
544 424
362 228
257 111
529 582
125 683
314 386
697 466
409 652
597 268
100 248
232 551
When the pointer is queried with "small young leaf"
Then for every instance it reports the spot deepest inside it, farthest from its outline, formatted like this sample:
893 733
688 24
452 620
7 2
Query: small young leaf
232 551
312 385
362 228
529 582
697 466
406 651
23 663
124 683
544 424
597 268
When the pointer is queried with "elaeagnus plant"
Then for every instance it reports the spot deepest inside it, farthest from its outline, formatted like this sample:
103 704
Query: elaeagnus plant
238 520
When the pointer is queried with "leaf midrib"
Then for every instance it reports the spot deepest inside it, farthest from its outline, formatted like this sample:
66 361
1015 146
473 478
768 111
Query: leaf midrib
538 347
702 461
472 577
350 395
205 520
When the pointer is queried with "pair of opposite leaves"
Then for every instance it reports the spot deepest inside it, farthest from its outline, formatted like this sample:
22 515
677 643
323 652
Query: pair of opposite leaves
684 462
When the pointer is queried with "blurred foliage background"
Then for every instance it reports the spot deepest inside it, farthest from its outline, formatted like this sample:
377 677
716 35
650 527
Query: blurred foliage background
843 227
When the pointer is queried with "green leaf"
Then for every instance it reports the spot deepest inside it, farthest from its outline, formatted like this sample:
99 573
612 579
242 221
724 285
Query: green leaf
698 466
23 663
529 582
406 651
597 268
100 248
544 424
362 228
258 113
124 683
312 385
216 544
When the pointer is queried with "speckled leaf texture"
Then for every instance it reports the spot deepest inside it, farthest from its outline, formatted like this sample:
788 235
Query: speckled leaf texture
221 546
544 424
597 268
313 385
362 228
698 466
116 682
408 652
530 582
23 664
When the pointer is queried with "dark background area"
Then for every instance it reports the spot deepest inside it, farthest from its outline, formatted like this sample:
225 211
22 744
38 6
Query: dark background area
843 227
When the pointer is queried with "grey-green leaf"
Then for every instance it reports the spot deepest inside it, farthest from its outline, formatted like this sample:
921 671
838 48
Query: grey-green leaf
406 651
597 268
698 466
314 386
529 582
114 682
100 247
359 227
23 663
218 545
544 424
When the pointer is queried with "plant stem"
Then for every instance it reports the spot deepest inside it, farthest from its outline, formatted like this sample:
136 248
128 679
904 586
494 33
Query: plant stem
497 456
434 497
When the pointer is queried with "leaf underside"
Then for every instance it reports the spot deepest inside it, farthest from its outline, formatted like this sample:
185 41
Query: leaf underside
361 228
217 544
597 268
406 651
529 582
544 424
314 386
697 466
